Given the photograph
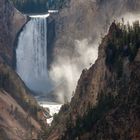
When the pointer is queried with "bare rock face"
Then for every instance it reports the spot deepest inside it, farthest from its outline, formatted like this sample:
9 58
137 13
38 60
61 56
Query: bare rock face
18 117
11 21
18 22
19 110
82 19
72 22
106 101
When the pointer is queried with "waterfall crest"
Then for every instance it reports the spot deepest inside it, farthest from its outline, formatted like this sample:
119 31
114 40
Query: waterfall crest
31 55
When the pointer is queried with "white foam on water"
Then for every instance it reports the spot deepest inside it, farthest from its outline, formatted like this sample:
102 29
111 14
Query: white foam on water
53 107
40 16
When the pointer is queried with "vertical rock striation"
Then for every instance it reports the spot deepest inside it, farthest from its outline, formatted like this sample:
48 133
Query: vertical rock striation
19 110
11 21
85 19
106 101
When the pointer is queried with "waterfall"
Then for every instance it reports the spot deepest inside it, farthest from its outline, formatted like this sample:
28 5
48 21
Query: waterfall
31 55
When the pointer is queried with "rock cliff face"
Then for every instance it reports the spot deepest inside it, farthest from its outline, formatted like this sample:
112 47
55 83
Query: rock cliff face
85 19
71 23
19 110
106 101
77 28
18 118
11 21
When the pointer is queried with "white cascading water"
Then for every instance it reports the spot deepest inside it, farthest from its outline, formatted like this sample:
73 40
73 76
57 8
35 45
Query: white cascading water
31 55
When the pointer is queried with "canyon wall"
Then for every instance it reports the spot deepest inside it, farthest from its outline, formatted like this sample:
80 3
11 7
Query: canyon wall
19 110
77 30
11 22
105 104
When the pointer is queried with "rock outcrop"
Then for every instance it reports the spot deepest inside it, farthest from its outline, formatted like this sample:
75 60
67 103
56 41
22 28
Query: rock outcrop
18 118
106 101
19 110
11 22
82 19
78 28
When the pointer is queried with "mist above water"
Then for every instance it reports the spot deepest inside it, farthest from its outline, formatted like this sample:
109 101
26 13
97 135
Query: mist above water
65 69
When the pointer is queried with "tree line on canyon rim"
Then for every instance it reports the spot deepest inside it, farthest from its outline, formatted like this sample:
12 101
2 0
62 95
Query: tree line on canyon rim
123 43
36 6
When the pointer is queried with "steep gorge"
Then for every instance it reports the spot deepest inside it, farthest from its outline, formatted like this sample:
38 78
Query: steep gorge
78 28
106 101
94 86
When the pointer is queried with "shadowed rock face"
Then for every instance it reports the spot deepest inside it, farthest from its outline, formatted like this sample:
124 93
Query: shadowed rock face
19 110
106 101
11 21
85 19
18 117
81 20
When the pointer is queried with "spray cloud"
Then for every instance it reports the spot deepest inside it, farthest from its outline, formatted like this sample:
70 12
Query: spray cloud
65 71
